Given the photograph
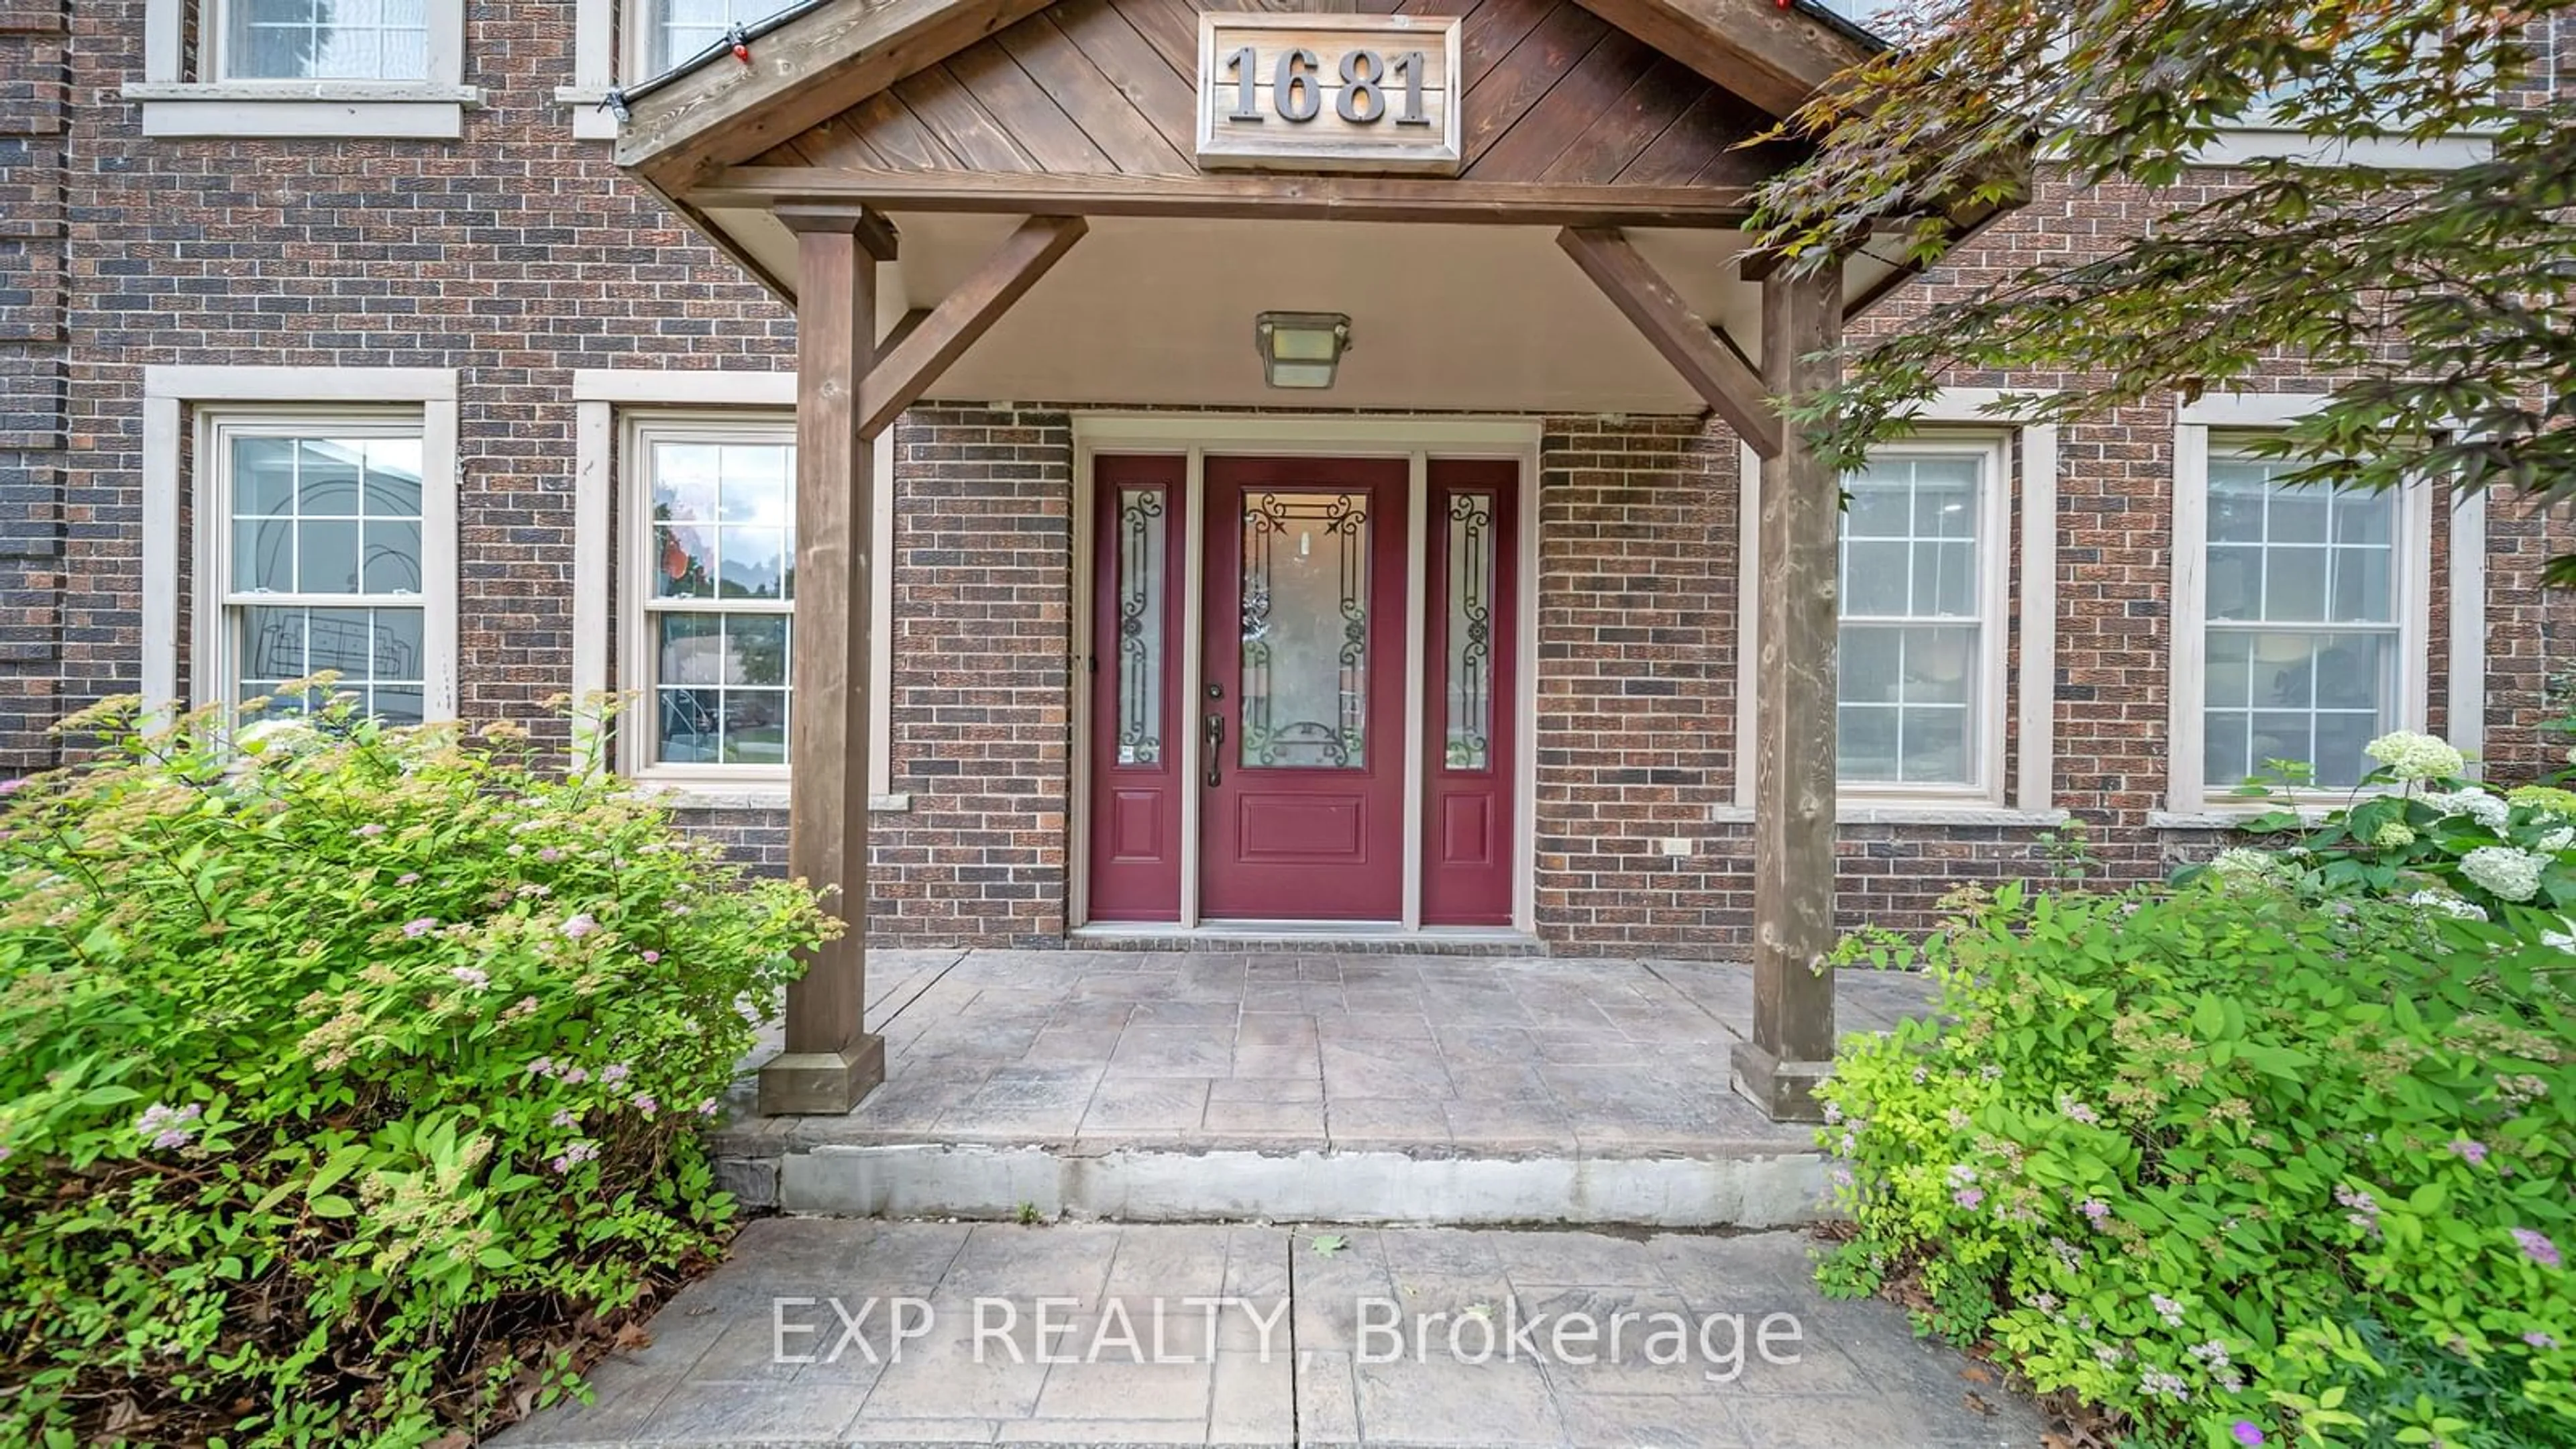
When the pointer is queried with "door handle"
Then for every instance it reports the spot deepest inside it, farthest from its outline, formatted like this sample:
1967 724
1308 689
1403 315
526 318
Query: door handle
1216 755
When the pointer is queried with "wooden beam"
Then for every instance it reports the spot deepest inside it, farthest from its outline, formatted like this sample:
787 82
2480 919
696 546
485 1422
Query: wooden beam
911 366
1716 373
830 1061
801 74
904 326
1255 197
1771 54
1794 706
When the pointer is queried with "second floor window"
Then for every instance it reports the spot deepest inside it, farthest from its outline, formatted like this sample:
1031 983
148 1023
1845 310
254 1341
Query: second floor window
674 30
324 39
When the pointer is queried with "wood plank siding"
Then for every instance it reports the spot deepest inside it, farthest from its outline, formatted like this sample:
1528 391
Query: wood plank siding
1553 95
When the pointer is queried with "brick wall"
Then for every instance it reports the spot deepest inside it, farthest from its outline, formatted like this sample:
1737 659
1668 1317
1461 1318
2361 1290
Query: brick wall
983 592
35 92
514 256
518 255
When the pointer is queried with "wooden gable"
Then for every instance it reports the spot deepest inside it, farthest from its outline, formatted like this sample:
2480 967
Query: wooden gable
1552 94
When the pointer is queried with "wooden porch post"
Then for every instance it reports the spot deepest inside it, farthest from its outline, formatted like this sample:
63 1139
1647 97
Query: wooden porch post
831 1061
1793 794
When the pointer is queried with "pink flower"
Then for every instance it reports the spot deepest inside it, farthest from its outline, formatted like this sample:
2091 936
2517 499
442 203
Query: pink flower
549 855
473 978
2246 1433
2471 1151
2537 1247
421 927
652 956
580 926
409 877
645 1104
1969 1197
707 1108
369 831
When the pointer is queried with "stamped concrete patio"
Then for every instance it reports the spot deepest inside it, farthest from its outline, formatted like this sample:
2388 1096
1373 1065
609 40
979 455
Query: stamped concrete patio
758 1353
1179 1085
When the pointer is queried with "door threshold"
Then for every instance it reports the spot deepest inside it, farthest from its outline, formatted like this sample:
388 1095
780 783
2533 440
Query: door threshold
1360 936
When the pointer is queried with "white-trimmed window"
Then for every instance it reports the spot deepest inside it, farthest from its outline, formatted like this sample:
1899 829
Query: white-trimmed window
347 40
1920 582
620 42
309 515
1938 644
390 68
714 548
319 558
2300 614
688 624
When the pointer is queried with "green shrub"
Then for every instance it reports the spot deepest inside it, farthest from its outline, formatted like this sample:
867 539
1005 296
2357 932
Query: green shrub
2228 1163
347 1075
2438 840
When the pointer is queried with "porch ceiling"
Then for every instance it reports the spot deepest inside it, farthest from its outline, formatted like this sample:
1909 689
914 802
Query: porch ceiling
1443 317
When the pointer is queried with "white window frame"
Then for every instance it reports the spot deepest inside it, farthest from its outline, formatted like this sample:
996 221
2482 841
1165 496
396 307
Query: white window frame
2022 459
614 410
608 52
322 397
2188 798
176 103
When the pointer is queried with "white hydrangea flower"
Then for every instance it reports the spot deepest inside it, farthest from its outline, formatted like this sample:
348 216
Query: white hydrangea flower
2448 904
2561 940
2557 840
2412 756
2245 862
2395 835
2511 874
2488 810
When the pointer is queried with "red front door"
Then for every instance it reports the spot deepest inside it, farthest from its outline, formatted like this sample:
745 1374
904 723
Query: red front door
1301 714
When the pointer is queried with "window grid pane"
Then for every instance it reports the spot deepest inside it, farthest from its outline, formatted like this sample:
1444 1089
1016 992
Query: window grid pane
317 518
719 609
327 40
1912 634
682 28
2301 644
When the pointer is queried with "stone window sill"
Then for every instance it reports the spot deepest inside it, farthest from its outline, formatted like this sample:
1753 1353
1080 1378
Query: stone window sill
2231 819
324 109
1923 812
713 795
590 121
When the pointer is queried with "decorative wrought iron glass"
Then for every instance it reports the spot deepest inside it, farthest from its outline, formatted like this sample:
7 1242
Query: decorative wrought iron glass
1911 631
326 40
723 570
1470 705
1305 630
2301 649
1141 582
324 571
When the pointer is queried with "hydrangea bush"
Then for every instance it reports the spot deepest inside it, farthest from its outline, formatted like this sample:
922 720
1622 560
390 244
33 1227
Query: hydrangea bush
2232 1167
2441 842
348 1076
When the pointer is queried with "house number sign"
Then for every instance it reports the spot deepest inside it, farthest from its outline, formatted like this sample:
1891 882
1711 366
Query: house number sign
1304 92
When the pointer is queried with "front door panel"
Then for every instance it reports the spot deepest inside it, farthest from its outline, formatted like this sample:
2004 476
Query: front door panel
1301 748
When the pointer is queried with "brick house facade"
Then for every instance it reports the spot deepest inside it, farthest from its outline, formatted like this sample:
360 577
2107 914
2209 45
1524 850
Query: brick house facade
515 259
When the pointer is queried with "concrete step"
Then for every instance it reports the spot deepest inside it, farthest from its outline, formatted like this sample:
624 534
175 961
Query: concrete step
1728 1185
1174 1087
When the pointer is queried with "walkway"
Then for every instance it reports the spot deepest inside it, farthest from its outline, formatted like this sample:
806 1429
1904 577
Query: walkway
1400 1336
1435 1056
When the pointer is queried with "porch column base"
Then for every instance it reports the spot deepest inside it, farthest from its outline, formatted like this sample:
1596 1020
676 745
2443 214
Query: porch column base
1784 1090
797 1084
